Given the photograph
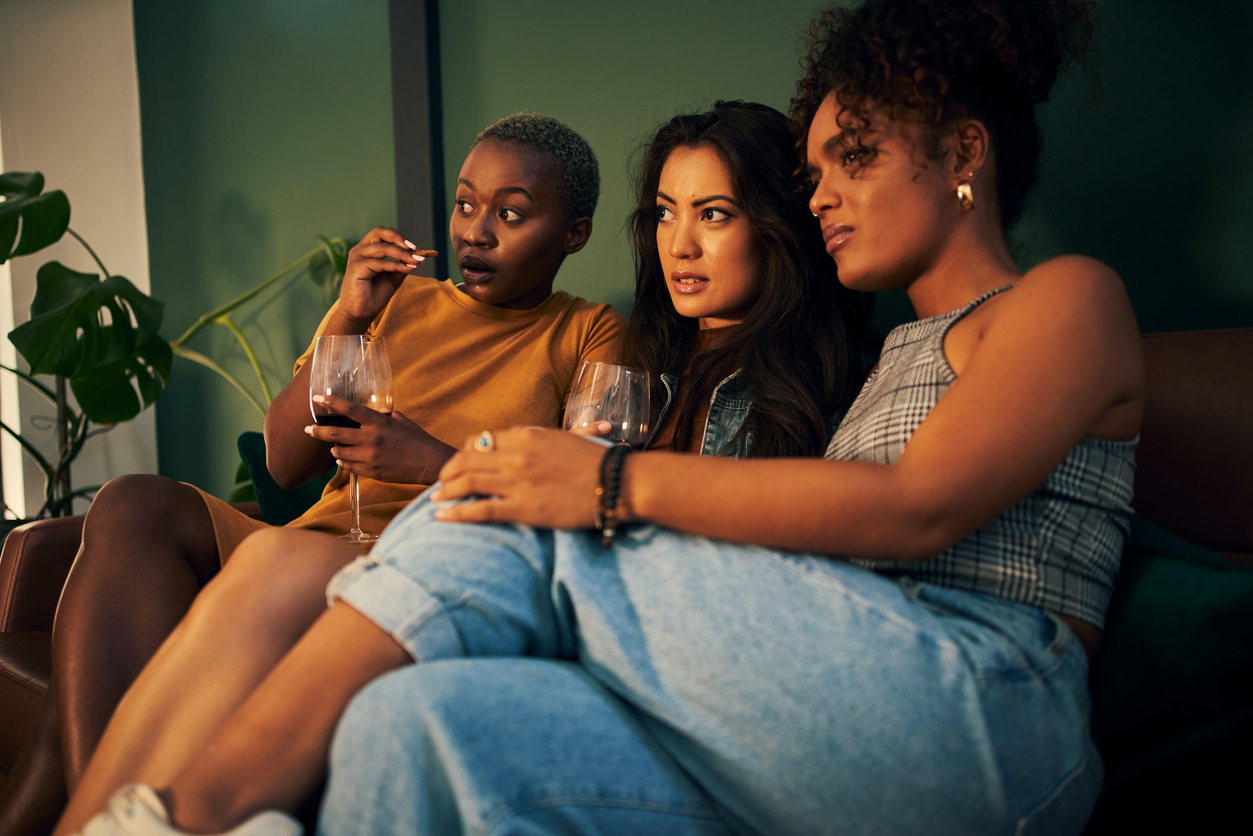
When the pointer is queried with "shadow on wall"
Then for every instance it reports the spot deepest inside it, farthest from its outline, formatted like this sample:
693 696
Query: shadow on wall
1154 179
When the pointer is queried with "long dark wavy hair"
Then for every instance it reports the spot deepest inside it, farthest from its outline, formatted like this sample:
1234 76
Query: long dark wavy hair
800 349
941 61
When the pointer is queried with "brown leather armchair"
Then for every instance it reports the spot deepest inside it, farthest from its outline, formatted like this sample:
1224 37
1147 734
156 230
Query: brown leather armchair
1194 478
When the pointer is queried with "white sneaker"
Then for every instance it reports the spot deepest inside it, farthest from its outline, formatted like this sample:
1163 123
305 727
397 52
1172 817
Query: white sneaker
136 810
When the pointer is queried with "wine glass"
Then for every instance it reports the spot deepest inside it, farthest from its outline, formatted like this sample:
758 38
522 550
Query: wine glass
354 368
607 392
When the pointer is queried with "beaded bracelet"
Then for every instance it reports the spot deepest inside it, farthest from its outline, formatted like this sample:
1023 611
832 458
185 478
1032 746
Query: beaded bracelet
606 514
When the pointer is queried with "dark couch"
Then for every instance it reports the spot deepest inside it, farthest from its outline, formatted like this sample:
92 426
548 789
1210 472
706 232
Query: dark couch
1171 685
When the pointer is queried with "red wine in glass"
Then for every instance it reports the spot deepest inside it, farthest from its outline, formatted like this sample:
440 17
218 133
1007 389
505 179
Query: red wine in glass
356 369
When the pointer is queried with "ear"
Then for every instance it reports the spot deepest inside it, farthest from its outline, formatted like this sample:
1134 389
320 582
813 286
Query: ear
579 231
970 149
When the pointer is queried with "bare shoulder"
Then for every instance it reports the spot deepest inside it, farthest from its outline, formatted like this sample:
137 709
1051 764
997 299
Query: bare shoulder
1076 279
1074 292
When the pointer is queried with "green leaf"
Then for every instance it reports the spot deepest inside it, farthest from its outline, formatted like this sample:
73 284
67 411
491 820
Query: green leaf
66 334
327 267
106 395
27 183
43 217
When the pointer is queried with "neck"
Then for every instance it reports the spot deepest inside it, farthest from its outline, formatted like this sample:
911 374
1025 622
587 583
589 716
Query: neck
972 261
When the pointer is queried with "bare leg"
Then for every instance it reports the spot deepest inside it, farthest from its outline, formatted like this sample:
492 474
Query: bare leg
274 749
268 594
148 548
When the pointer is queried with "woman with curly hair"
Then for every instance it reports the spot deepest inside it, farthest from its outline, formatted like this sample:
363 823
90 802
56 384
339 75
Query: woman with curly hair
891 640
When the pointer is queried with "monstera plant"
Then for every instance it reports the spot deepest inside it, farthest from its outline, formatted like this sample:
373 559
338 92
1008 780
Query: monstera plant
98 333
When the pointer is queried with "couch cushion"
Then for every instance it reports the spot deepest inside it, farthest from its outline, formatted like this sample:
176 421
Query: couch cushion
279 506
1177 657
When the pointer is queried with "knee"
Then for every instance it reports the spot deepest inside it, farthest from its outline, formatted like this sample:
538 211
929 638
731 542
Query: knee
139 502
275 576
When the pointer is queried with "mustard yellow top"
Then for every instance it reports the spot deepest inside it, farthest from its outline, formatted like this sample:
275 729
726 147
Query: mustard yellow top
460 367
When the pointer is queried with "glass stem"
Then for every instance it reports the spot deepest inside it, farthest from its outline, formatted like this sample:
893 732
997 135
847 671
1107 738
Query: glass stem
354 498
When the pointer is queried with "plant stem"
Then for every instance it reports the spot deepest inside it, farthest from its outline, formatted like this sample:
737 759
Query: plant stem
43 463
252 357
197 357
35 384
87 246
62 486
217 313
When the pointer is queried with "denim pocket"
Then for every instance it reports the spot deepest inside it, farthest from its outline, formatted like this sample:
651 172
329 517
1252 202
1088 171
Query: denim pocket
1069 806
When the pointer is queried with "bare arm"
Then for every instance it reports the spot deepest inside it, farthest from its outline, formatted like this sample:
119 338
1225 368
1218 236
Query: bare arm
376 268
1060 359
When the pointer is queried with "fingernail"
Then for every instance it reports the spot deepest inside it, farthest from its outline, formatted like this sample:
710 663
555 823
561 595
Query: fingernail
309 430
435 496
319 399
410 244
418 258
442 513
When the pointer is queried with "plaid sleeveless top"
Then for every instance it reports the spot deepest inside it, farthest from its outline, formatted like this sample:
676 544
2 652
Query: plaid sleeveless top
1057 549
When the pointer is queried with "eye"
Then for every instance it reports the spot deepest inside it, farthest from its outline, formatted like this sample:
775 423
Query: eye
464 207
714 214
510 215
664 213
857 156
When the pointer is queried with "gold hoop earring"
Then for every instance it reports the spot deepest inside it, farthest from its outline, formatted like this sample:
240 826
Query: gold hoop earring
965 197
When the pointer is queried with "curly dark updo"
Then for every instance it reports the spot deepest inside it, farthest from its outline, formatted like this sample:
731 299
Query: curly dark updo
940 61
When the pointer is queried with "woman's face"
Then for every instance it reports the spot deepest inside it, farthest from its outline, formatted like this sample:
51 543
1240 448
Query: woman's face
509 225
886 209
708 251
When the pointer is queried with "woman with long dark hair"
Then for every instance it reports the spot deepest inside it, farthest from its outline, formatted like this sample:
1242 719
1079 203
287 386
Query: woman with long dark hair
802 331
755 348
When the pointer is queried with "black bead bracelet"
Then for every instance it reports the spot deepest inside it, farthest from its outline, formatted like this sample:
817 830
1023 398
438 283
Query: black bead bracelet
606 515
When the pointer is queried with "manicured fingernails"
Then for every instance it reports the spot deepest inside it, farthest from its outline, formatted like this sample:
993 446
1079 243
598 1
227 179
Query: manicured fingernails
319 399
309 430
410 244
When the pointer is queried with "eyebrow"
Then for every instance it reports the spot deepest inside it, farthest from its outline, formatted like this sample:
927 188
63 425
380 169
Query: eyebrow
701 201
836 140
499 192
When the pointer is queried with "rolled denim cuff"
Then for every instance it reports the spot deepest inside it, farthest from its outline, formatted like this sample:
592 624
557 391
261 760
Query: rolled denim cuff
414 618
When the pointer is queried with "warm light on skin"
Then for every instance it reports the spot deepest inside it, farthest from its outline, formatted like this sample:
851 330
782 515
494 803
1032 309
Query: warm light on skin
708 250
891 209
510 223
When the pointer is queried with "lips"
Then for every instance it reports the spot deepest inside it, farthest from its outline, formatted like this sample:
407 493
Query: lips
475 270
836 236
684 281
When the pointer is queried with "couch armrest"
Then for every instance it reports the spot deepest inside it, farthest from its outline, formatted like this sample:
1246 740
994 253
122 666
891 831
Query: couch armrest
35 563
33 567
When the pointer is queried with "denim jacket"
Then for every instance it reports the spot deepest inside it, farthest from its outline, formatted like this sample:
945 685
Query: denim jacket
728 408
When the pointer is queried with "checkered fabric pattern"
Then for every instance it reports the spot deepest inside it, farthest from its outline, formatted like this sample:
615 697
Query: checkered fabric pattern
1058 549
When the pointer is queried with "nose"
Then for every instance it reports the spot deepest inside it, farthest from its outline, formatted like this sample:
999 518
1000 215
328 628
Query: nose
824 197
480 231
683 243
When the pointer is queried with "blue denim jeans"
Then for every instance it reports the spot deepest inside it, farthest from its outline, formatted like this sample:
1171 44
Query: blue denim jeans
706 688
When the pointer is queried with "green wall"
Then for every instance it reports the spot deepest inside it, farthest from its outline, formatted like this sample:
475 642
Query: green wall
265 122
1154 178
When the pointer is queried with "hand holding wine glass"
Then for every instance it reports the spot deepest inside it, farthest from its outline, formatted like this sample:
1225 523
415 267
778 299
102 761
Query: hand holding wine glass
356 369
611 394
